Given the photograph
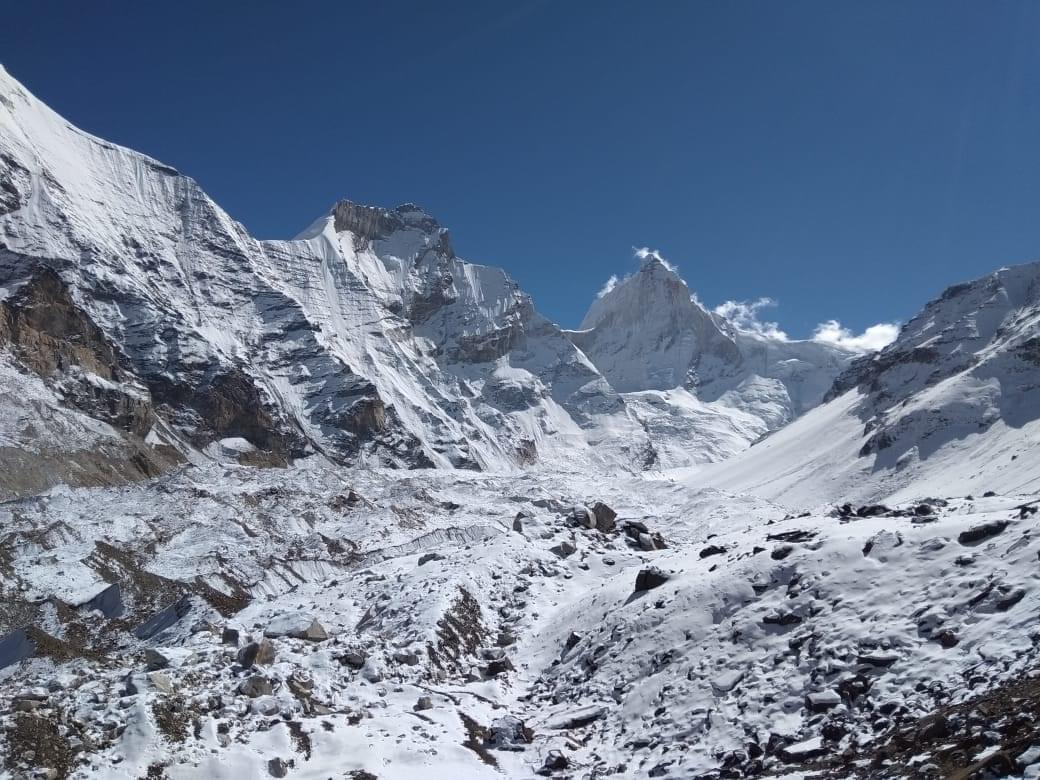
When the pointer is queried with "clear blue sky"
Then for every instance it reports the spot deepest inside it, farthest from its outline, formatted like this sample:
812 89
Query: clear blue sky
849 159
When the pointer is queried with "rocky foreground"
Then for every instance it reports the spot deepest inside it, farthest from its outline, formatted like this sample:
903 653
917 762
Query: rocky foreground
237 622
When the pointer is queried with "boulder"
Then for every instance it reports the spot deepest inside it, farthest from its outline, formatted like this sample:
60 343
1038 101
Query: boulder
298 625
262 652
353 657
499 667
160 682
424 703
229 636
712 549
276 767
255 686
576 719
821 701
508 733
983 531
605 518
154 660
563 549
427 557
650 578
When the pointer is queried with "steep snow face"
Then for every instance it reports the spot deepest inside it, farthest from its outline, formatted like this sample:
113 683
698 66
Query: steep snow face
365 338
649 333
954 398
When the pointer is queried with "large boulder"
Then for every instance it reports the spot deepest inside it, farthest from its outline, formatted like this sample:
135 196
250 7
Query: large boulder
650 578
298 625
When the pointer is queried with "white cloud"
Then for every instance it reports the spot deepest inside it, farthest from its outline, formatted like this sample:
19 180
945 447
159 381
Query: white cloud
744 314
872 339
609 285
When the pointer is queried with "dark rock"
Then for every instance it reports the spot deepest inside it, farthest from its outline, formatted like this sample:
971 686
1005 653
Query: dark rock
255 686
108 602
499 667
354 658
822 701
781 618
555 762
563 549
508 733
934 727
605 518
650 578
424 703
872 510
980 533
712 549
262 652
853 687
947 639
1007 602
154 660
427 557
277 768
923 510
781 552
796 537
572 639
518 522
229 636
164 618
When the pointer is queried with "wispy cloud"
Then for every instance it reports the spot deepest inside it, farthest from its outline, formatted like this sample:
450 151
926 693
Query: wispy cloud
870 340
609 285
744 314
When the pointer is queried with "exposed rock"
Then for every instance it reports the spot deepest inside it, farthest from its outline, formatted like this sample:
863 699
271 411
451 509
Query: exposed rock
276 767
822 701
983 531
262 652
424 703
605 517
650 578
576 719
154 660
508 733
563 549
255 686
427 557
160 682
712 549
499 667
803 751
229 636
297 625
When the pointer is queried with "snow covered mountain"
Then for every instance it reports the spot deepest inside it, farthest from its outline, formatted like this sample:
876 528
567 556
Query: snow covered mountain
212 562
365 338
707 387
954 400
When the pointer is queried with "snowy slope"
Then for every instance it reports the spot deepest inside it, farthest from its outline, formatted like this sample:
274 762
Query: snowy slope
953 403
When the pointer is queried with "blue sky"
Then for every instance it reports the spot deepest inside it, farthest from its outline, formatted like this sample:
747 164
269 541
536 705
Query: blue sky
847 159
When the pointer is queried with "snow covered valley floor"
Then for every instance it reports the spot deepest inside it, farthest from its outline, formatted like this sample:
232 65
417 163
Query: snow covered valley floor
314 622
